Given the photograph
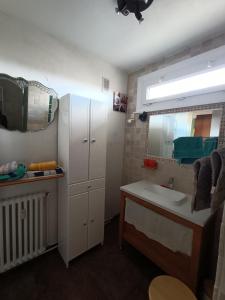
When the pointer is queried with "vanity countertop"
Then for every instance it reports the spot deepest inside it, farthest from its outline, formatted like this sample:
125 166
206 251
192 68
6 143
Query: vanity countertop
183 210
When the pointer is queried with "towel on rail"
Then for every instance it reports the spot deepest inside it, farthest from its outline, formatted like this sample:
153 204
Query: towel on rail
218 178
209 145
202 184
168 233
188 149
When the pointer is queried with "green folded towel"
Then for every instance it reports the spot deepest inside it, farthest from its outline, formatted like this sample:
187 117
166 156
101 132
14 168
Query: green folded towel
186 161
210 144
188 148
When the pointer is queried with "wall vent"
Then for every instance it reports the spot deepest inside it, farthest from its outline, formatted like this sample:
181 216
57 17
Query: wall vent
105 84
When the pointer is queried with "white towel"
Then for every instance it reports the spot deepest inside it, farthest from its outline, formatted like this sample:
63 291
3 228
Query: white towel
176 237
8 168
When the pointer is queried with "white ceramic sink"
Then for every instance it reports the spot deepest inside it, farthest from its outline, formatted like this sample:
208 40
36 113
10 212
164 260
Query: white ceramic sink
159 193
170 200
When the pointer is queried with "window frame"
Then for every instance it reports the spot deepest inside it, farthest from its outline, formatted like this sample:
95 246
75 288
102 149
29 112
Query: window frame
183 69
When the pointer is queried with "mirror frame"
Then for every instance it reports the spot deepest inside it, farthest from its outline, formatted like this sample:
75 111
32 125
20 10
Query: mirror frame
221 141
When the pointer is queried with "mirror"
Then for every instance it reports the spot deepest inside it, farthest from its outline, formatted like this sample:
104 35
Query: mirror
176 134
25 105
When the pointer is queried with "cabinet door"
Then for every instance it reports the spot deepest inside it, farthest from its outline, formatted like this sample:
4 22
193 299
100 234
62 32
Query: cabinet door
78 225
79 139
97 140
96 217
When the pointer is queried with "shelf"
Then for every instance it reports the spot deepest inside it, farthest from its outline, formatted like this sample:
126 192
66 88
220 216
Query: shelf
30 180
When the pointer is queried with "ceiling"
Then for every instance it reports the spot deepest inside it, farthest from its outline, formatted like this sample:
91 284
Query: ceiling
93 25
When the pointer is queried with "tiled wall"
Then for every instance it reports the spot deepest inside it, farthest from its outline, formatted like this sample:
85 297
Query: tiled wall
136 132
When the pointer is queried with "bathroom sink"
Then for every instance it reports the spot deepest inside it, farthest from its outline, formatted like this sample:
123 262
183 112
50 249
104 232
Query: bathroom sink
158 193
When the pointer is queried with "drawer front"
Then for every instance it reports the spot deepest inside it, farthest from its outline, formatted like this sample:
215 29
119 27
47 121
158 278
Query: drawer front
84 187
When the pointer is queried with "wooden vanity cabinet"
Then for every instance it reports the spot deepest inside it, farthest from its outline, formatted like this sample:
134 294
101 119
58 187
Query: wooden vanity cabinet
186 268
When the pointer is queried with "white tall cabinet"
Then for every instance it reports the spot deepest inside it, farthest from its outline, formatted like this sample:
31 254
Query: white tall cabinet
82 153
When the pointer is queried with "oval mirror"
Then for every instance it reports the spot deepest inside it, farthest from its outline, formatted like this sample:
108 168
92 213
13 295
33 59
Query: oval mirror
26 105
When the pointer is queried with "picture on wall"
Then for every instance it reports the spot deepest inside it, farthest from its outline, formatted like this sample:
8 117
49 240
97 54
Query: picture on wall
120 102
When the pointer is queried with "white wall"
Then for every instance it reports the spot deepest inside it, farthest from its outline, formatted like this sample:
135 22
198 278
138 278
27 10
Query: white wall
27 52
114 161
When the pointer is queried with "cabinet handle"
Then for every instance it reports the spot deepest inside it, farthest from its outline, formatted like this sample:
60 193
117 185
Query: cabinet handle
92 221
93 140
85 224
85 141
89 186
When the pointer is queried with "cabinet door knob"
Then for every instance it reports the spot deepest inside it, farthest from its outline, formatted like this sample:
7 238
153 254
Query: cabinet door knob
93 140
92 221
85 140
85 224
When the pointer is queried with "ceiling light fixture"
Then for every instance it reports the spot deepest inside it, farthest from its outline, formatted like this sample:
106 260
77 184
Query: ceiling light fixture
133 6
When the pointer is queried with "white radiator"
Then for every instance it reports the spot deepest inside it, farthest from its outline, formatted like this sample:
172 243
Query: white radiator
22 224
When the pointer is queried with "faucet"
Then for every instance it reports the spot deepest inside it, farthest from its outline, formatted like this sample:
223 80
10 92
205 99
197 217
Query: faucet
171 183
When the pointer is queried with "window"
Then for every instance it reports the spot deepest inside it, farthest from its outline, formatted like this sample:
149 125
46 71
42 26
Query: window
194 84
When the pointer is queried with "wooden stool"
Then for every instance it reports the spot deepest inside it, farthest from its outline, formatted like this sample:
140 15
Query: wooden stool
169 288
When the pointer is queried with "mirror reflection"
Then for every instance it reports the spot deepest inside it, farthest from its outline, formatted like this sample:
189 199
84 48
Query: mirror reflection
25 105
184 136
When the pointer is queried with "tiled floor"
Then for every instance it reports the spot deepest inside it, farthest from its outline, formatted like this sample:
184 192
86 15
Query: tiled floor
104 273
